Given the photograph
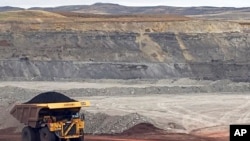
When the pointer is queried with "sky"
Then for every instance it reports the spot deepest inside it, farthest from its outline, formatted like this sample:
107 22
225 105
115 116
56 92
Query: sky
181 3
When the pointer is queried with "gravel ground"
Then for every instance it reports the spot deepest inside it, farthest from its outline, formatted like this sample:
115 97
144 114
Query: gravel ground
100 123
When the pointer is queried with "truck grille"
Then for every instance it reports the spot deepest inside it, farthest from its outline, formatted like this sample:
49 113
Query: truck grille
72 131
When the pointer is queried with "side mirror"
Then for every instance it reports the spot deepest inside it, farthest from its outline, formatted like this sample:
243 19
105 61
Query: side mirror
82 116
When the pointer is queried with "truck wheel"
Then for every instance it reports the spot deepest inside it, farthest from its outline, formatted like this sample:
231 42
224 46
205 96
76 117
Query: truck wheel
36 131
78 139
46 135
28 134
82 138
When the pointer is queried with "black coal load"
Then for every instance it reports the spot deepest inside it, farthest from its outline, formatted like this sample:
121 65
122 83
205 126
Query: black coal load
50 97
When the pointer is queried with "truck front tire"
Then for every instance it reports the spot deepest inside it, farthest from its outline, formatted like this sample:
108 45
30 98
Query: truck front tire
78 139
46 135
28 134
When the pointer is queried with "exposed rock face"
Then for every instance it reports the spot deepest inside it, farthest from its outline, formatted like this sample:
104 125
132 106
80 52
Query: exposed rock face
41 48
115 55
69 70
126 47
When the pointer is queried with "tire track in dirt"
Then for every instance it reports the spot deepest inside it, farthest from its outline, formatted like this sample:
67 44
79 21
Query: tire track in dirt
180 109
239 114
192 120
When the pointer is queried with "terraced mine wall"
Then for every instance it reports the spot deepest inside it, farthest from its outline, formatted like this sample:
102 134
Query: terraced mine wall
70 70
124 55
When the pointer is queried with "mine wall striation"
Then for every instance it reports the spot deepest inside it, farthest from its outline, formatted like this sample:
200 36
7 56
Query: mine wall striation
124 55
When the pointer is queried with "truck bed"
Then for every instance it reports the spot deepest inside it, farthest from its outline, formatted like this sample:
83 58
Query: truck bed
29 113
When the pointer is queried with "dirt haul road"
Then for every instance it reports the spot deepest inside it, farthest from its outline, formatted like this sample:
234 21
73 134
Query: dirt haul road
7 135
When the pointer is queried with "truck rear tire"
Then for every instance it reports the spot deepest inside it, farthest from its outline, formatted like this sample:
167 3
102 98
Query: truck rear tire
46 135
28 134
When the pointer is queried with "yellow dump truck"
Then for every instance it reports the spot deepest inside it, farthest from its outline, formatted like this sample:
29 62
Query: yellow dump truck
51 121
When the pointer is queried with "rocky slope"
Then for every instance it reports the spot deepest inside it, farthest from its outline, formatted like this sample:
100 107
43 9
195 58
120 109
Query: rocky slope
52 46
